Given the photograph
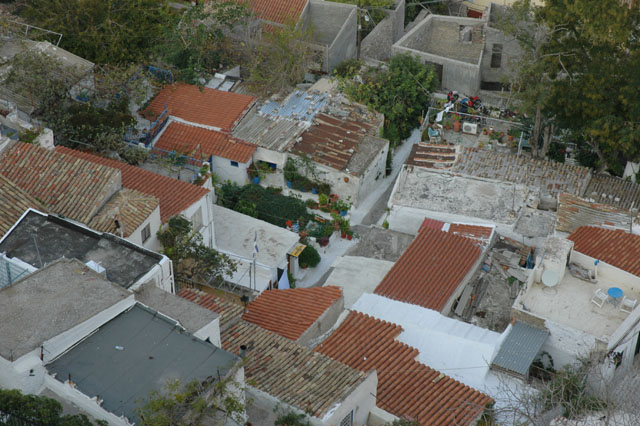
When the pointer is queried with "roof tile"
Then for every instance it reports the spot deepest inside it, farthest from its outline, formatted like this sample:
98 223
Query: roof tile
574 212
616 247
432 156
290 372
131 208
67 185
202 143
13 203
175 196
430 269
278 11
614 191
229 312
205 106
300 306
406 387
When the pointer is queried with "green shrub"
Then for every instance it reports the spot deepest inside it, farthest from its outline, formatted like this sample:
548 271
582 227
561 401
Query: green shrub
309 257
348 69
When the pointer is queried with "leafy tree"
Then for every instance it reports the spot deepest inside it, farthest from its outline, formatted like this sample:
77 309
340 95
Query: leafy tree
191 258
198 44
281 59
401 91
33 409
194 404
104 31
587 68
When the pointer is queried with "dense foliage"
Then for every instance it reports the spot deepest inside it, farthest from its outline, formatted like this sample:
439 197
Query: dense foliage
259 202
401 91
309 257
37 410
211 402
104 31
190 256
583 72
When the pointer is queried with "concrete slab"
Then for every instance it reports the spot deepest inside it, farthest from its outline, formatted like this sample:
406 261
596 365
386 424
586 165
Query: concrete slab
356 276
379 243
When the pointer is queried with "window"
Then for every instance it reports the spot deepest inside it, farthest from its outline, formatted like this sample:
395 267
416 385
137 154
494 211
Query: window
496 56
196 219
146 233
348 419
234 164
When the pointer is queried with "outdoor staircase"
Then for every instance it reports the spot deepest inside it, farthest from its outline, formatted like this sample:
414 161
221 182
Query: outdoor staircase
432 156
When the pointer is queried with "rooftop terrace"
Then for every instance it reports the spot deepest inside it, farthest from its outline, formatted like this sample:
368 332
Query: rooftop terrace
39 239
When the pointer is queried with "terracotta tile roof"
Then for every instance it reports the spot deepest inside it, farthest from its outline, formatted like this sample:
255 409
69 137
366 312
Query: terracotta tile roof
131 208
432 156
478 233
300 306
406 388
290 372
67 185
430 269
332 141
202 143
13 203
207 106
229 312
431 224
574 212
614 191
278 11
175 196
617 248
550 176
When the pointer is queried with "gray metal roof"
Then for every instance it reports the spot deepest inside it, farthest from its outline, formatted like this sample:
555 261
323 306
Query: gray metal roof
272 133
135 353
520 348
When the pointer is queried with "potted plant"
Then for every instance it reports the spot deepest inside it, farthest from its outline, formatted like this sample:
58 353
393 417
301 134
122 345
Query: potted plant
254 173
342 206
311 204
457 125
290 172
349 234
485 131
447 124
344 227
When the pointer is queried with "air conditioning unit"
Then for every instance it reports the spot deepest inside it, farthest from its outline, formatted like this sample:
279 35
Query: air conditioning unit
471 128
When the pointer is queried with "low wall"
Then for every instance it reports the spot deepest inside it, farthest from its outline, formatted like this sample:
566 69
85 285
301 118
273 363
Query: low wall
323 324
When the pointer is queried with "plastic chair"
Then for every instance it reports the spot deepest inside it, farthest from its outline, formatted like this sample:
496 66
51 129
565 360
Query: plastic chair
599 297
627 304
435 134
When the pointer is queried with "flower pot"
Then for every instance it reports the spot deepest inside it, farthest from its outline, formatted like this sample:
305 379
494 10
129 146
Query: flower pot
457 125
256 180
289 184
314 190
349 236
343 234
334 211
510 138
343 212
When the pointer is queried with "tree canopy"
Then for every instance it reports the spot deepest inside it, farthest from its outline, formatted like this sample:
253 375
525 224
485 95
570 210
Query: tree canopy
33 409
190 256
583 73
401 91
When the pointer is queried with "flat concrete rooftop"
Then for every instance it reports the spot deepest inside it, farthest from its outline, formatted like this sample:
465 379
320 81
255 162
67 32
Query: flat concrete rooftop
447 193
39 239
569 303
49 302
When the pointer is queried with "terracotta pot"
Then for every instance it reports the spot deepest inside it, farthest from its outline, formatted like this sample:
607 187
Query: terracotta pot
457 125
343 234
510 138
349 236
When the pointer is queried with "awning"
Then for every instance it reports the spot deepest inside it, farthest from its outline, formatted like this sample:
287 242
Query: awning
519 349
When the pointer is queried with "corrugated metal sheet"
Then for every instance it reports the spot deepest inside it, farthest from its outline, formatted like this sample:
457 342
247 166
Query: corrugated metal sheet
520 348
298 106
271 133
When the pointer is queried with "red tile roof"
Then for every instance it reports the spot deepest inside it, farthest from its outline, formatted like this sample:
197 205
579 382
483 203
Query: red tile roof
291 312
430 269
431 224
279 11
175 196
333 141
131 208
66 185
202 143
478 233
290 372
229 312
13 203
432 156
616 247
406 387
207 106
